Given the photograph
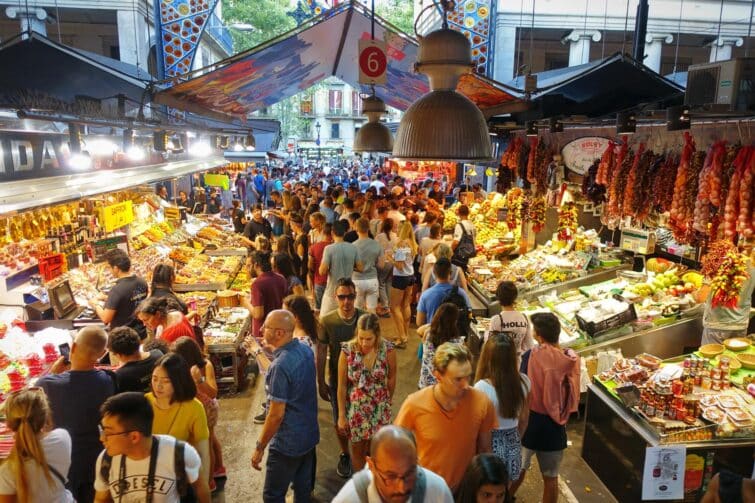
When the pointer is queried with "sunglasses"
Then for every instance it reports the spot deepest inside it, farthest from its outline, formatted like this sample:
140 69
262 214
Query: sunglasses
349 296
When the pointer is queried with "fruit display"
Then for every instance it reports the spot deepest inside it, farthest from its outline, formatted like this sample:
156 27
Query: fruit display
493 238
199 300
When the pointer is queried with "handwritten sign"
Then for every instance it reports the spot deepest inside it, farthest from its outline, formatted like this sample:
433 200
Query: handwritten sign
116 216
214 180
579 154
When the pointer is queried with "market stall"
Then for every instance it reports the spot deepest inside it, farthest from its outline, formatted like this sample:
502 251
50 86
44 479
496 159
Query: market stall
695 409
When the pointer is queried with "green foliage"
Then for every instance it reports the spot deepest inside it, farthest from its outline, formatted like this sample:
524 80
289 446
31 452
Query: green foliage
400 13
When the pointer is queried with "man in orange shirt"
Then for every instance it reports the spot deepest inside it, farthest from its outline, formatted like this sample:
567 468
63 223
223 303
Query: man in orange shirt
451 421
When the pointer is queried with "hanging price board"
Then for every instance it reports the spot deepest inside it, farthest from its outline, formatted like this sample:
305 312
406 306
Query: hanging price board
116 216
373 62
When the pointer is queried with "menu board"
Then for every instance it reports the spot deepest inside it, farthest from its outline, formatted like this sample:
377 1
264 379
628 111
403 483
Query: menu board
579 154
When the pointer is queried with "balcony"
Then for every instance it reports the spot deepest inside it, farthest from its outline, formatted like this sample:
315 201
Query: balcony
336 113
220 33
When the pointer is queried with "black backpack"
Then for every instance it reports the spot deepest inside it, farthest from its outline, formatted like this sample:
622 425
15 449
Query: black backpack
179 467
465 250
465 314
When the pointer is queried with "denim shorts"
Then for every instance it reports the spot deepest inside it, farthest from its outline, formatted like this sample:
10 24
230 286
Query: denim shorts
549 461
402 282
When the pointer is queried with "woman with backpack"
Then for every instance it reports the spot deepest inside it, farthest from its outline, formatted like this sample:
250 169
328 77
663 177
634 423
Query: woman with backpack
441 250
40 457
465 235
441 329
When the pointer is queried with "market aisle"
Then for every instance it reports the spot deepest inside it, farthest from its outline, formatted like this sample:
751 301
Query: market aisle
238 433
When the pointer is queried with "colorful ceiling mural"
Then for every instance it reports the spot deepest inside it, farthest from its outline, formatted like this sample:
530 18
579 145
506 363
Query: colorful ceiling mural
181 24
476 20
294 62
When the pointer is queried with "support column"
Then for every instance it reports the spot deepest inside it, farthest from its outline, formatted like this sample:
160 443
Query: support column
33 19
653 49
720 49
133 38
579 45
505 53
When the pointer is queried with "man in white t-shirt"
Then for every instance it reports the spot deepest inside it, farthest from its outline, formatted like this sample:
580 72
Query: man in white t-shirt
136 456
392 473
510 320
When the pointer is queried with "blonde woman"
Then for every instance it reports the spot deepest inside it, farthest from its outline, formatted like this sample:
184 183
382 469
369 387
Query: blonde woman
441 250
366 382
402 259
39 460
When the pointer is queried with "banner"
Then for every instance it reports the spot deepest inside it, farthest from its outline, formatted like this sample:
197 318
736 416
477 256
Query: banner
116 216
214 180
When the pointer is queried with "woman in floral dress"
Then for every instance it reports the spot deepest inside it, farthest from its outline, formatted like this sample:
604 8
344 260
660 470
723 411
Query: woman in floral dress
366 381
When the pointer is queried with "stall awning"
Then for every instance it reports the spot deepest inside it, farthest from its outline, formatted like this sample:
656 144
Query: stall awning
327 46
37 68
598 88
25 194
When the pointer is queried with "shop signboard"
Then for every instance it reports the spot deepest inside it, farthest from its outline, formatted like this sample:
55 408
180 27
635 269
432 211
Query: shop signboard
579 154
116 216
101 246
215 180
373 62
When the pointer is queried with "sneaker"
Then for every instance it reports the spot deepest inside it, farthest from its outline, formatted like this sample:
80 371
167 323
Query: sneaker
260 418
344 466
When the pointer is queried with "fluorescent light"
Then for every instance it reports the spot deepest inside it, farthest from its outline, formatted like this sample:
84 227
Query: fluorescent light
135 153
200 149
101 147
80 161
238 147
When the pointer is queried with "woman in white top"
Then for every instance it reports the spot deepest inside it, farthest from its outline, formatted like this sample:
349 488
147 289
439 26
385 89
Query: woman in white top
387 239
441 250
428 243
402 258
499 378
39 460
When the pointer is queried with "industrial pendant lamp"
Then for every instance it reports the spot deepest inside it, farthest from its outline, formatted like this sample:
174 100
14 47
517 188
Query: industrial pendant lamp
373 136
443 124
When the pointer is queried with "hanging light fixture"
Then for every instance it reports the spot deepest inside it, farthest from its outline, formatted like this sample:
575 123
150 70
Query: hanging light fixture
530 128
251 141
677 118
443 124
626 123
373 136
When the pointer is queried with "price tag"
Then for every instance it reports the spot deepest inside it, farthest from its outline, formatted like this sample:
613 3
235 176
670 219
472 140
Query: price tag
373 62
116 216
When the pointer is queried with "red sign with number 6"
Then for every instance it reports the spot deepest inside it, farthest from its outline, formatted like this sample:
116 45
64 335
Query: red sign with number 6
373 62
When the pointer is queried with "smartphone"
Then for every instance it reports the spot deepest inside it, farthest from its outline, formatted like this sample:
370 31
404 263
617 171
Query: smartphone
65 351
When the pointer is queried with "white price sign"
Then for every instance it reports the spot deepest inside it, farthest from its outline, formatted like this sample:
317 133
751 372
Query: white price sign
373 63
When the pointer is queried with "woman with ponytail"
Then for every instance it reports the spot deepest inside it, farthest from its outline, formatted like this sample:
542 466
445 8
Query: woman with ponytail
39 460
163 316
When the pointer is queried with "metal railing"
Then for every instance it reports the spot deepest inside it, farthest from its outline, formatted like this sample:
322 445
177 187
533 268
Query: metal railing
220 33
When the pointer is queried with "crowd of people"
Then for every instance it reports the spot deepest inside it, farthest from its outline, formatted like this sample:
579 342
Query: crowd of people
332 255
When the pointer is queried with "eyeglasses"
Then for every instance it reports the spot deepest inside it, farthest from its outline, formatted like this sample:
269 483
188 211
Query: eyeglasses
108 435
348 296
394 479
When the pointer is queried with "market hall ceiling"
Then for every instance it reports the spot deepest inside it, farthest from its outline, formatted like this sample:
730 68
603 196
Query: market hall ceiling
299 59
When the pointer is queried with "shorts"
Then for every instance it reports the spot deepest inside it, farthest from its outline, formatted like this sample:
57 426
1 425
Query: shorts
367 293
402 282
333 388
549 461
319 291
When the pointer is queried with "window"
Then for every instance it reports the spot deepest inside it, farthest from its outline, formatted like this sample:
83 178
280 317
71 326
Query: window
335 101
555 60
335 130
356 103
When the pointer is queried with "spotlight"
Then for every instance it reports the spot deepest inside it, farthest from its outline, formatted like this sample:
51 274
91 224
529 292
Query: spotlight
626 123
160 141
80 161
200 149
677 118
555 125
531 128
135 153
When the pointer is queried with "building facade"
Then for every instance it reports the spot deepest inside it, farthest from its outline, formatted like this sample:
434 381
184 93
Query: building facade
569 33
119 29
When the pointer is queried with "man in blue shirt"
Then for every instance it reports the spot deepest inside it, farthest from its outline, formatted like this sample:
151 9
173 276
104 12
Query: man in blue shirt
75 397
291 427
259 184
433 297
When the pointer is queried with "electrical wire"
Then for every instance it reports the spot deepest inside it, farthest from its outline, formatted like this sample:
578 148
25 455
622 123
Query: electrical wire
519 40
57 21
605 30
626 26
678 36
136 36
749 30
532 32
718 33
